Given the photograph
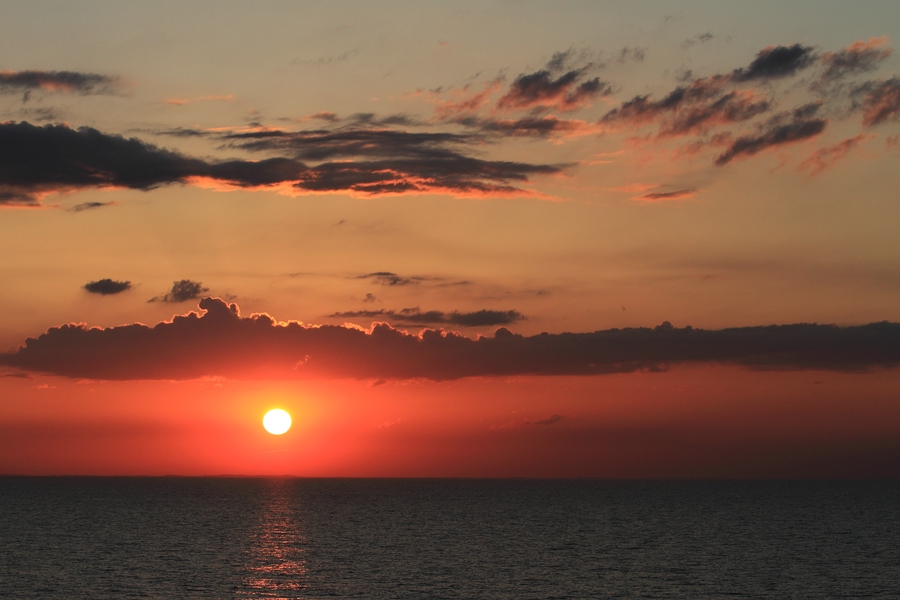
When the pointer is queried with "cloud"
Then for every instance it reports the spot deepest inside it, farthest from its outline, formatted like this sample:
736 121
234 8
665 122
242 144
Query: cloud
222 343
777 134
700 38
183 101
415 316
859 57
628 53
540 89
536 127
18 375
388 278
182 291
88 206
825 158
57 81
38 160
550 420
683 194
690 109
776 62
106 287
881 101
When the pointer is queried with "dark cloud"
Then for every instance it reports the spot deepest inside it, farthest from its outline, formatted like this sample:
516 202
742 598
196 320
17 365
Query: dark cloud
222 343
777 135
776 62
415 316
880 101
690 109
106 287
673 195
541 89
57 81
388 278
182 291
536 127
327 144
550 420
858 57
88 206
36 160
18 375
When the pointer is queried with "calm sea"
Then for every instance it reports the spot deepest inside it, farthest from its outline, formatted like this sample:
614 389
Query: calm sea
302 538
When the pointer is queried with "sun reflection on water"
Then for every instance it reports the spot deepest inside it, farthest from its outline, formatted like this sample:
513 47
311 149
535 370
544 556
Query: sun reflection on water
274 560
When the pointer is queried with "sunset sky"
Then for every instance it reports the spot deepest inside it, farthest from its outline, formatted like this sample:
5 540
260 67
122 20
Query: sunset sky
465 239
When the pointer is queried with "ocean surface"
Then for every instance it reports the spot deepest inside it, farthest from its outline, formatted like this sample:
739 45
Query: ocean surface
308 538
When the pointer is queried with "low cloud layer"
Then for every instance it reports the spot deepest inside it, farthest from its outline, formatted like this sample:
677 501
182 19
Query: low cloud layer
221 343
416 316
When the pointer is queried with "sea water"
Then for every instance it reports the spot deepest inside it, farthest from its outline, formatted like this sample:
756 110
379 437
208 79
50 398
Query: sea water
344 538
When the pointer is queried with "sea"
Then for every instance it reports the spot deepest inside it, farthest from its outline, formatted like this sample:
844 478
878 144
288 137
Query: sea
173 537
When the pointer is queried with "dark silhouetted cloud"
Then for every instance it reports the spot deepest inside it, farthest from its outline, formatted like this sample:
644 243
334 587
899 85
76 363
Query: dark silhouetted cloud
222 343
778 134
106 287
88 206
57 81
536 127
182 291
690 109
36 160
776 62
673 195
415 316
541 89
881 101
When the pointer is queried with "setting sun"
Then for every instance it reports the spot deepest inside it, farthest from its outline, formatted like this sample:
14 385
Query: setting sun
277 421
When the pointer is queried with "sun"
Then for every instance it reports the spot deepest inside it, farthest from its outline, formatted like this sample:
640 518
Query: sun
277 421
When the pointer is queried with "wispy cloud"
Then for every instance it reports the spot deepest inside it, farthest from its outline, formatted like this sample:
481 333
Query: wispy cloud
71 82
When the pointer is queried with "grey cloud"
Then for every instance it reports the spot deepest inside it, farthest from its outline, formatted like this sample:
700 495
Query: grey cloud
57 81
107 287
222 343
182 291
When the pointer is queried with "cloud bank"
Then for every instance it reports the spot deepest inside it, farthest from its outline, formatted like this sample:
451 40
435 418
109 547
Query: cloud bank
221 343
37 160
416 316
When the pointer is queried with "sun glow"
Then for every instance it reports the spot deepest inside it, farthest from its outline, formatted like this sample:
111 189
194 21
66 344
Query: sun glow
277 421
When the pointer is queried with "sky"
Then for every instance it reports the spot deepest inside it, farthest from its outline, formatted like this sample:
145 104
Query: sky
473 239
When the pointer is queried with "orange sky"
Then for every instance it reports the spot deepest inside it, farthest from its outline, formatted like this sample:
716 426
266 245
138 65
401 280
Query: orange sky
461 169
